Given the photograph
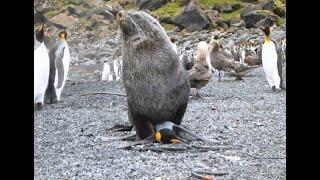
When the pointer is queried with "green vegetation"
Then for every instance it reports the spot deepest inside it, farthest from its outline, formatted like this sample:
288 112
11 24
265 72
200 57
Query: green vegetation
168 27
52 13
279 3
207 3
281 21
232 15
169 9
129 6
266 12
85 22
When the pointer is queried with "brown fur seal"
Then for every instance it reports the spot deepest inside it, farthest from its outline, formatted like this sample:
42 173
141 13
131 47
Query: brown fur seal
156 84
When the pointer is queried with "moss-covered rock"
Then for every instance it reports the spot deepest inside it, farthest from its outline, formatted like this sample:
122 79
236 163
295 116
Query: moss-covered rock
150 4
233 15
172 9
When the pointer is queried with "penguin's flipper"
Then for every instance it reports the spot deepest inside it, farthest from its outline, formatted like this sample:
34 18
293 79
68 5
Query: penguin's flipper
279 61
118 127
59 65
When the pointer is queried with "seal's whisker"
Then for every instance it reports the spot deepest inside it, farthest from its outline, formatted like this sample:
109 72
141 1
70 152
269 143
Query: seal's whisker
138 28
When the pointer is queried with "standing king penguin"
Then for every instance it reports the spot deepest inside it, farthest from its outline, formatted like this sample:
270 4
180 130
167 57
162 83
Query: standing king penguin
59 67
271 60
41 69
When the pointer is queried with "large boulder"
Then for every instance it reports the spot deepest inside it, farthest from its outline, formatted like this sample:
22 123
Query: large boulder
39 18
213 15
192 18
150 4
279 11
184 2
105 12
253 17
166 19
64 20
247 8
92 3
269 5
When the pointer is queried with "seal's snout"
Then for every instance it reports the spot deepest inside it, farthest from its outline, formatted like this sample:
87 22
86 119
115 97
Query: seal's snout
122 15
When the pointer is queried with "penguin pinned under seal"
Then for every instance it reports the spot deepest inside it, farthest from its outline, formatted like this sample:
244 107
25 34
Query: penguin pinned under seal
271 60
41 68
59 67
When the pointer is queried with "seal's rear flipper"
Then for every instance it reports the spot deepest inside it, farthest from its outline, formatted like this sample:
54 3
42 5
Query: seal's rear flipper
118 127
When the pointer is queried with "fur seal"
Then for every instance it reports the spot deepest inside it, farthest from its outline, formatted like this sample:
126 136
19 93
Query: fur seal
156 84
41 68
59 67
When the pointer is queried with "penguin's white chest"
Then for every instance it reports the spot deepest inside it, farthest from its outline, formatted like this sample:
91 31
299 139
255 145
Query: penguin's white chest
41 72
269 57
269 63
66 63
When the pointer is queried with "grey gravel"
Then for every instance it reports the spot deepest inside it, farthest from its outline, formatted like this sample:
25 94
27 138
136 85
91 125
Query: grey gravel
67 143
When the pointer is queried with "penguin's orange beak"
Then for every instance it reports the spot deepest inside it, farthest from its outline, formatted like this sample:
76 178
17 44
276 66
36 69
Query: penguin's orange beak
175 141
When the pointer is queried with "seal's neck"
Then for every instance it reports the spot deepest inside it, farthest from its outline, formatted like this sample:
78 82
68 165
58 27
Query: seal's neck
164 125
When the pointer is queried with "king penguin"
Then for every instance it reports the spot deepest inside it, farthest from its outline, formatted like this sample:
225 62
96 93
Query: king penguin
59 67
41 68
271 60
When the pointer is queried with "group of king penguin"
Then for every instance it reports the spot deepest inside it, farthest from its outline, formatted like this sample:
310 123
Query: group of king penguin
50 68
272 55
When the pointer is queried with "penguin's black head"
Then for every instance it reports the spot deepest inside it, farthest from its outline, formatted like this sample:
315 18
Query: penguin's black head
40 34
62 35
266 30
167 136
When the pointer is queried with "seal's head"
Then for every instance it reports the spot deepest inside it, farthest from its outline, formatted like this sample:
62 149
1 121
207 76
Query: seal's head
139 26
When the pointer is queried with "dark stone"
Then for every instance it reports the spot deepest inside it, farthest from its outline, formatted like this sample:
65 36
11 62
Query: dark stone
279 11
226 8
39 18
255 18
166 19
150 4
247 9
184 2
269 6
192 18
236 6
105 13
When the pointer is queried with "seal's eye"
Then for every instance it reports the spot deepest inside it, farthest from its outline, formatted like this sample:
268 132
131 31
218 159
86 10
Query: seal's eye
119 14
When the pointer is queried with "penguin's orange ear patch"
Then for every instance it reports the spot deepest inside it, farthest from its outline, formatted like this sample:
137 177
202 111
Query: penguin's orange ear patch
175 141
158 136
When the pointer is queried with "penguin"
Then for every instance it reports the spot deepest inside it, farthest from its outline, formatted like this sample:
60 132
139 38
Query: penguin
41 68
59 68
271 60
112 71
